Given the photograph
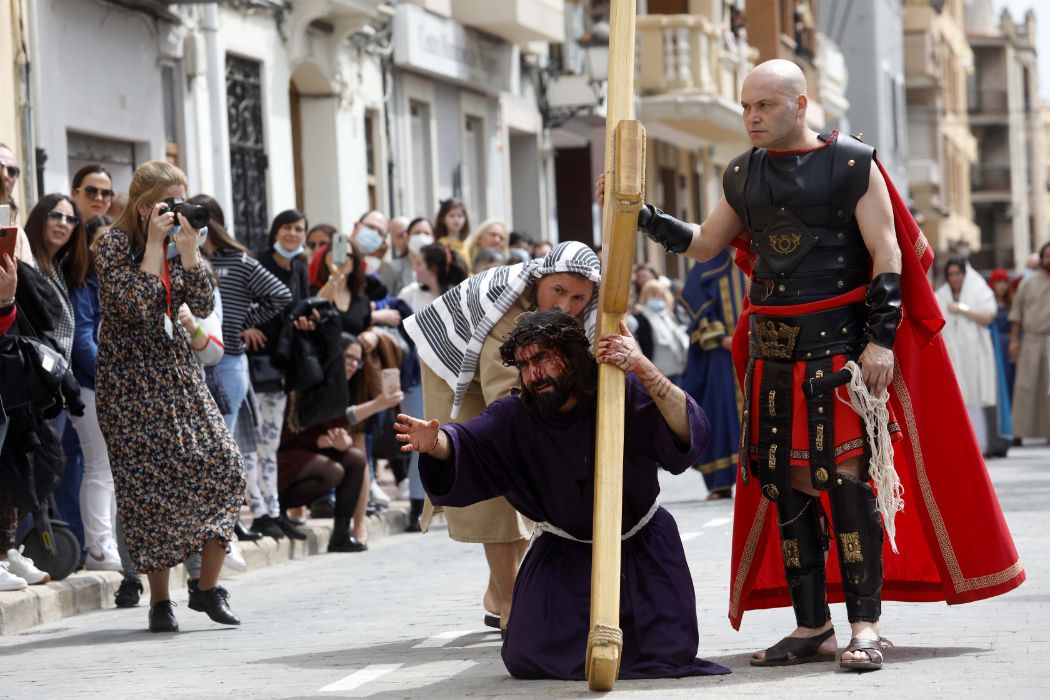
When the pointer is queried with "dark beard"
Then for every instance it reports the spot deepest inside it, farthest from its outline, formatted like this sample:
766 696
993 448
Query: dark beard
546 401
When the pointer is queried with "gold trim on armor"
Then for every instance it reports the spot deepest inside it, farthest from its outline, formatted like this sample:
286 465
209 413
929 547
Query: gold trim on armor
959 582
773 456
790 549
849 546
784 243
772 402
820 437
776 340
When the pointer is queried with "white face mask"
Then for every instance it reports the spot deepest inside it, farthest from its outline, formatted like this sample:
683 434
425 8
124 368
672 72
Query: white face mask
656 304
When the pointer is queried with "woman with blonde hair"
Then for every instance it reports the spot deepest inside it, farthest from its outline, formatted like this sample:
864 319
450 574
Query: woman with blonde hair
491 233
178 475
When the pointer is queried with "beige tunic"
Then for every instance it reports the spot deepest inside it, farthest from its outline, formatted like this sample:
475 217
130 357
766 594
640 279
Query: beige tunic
1031 309
494 520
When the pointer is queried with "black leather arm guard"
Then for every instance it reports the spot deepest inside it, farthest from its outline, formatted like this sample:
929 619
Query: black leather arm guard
883 302
673 234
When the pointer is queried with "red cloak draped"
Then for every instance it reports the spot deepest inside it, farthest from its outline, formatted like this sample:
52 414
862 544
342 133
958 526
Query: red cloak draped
952 538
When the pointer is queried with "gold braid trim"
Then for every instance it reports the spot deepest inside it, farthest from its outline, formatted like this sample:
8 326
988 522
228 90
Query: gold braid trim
959 581
748 556
722 463
921 244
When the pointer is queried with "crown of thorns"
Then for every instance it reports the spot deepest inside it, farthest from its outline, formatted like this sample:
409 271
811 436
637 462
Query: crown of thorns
544 328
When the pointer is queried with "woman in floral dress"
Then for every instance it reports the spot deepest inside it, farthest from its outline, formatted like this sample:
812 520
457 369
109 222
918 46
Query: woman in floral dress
178 475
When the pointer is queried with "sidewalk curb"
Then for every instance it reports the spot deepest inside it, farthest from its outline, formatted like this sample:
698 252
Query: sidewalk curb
93 590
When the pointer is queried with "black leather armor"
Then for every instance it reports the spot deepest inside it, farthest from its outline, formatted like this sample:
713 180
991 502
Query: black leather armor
800 210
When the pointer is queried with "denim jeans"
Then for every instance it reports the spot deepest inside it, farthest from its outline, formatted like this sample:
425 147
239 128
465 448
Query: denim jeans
233 371
412 404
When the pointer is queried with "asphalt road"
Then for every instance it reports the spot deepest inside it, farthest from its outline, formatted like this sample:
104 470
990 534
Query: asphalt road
404 621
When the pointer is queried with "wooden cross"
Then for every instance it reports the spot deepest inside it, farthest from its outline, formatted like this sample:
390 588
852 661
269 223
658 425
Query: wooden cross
624 196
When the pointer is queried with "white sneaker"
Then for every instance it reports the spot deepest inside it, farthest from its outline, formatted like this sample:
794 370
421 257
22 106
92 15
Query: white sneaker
403 493
107 560
21 565
235 560
378 495
8 581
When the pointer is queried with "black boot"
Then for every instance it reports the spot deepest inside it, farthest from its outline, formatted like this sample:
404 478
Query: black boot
243 535
342 540
162 617
289 528
858 529
266 525
214 602
415 510
803 543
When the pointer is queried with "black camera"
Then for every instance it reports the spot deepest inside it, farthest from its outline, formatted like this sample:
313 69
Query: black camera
196 214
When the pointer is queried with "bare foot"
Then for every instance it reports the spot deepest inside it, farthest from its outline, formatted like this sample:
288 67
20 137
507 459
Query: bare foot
861 630
828 646
491 601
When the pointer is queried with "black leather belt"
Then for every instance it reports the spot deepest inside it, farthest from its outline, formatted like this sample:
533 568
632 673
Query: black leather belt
774 290
838 331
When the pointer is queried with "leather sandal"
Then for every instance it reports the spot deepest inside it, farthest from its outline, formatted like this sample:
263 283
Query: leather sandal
790 651
872 648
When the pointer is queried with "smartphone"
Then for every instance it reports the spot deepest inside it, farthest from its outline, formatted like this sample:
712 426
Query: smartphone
339 245
391 380
8 238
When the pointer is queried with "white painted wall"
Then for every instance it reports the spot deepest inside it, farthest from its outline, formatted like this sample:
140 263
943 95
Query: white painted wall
96 72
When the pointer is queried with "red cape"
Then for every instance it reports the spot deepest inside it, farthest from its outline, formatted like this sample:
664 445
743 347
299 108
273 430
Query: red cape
953 541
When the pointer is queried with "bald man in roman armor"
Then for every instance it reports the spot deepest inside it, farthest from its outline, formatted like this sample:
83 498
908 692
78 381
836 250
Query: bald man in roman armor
836 269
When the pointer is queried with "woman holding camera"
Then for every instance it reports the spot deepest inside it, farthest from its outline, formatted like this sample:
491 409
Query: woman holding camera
178 475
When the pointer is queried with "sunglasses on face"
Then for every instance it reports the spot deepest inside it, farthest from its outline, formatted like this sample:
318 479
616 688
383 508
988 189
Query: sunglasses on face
12 170
97 193
59 216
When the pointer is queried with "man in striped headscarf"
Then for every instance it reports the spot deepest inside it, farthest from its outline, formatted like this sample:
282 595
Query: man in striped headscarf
458 338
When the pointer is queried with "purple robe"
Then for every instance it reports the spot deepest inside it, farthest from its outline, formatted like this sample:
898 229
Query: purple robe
543 465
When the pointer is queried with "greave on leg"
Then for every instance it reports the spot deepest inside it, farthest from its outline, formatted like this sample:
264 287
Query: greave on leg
803 543
858 530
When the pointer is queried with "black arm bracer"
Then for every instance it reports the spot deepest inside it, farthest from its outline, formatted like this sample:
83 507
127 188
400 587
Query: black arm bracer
883 302
673 234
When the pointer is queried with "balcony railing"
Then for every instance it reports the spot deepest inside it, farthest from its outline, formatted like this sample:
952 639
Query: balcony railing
689 53
990 101
990 178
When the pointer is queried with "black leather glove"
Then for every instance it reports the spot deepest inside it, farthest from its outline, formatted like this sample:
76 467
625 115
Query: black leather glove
673 234
884 309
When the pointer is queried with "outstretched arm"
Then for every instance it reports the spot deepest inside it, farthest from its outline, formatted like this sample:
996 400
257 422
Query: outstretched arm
622 350
422 436
701 242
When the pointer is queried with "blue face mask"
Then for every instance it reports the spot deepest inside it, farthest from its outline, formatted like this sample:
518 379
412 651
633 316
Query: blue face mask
287 255
656 304
172 251
369 240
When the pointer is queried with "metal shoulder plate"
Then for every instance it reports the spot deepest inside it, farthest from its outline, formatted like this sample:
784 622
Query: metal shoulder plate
851 169
733 182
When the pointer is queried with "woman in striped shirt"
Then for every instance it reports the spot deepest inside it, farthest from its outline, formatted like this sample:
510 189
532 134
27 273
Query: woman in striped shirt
250 296
283 258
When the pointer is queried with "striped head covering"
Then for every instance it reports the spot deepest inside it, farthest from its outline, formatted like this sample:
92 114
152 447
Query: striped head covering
450 331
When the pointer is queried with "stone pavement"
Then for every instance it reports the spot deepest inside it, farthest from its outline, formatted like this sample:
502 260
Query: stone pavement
93 590
404 620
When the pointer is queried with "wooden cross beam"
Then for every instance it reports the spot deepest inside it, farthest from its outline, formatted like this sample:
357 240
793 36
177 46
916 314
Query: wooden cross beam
624 196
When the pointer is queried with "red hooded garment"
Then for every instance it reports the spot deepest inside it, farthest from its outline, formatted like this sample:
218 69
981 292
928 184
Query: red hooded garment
952 538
